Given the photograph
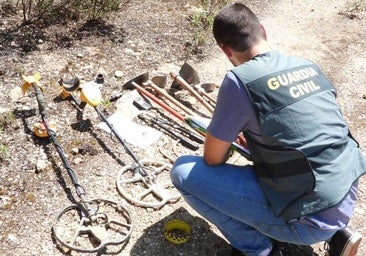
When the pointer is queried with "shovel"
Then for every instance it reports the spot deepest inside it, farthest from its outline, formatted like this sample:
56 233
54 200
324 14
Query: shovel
187 75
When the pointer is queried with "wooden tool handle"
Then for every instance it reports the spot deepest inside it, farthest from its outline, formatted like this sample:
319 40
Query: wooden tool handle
171 98
158 101
183 83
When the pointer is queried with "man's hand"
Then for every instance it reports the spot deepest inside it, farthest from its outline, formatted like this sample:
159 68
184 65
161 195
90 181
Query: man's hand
241 141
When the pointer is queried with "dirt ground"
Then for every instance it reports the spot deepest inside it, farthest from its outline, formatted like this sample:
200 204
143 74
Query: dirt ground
145 36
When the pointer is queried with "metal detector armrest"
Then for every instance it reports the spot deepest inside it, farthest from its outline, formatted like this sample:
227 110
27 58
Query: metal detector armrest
70 85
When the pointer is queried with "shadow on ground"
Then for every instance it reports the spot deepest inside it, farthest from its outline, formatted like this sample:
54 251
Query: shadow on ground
203 241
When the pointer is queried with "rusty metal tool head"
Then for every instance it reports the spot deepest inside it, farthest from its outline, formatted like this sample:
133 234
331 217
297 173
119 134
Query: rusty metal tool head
189 88
189 74
208 87
158 83
137 80
187 78
137 83
204 89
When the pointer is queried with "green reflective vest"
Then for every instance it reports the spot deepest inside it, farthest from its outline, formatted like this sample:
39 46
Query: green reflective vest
307 160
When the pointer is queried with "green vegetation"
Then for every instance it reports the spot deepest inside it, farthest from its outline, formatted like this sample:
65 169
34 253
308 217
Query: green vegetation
352 8
3 152
5 120
61 10
356 6
106 103
96 9
202 21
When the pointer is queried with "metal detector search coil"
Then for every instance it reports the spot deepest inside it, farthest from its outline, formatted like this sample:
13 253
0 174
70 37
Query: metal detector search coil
177 231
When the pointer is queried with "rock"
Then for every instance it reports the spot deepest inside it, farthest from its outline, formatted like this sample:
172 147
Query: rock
118 74
41 165
147 240
4 110
74 151
78 160
12 238
15 94
127 50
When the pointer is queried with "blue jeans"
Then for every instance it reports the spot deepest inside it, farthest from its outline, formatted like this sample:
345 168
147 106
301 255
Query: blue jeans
231 198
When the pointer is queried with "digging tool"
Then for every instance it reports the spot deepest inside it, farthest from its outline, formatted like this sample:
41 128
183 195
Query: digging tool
193 135
159 82
208 87
88 225
204 94
141 169
135 83
190 76
150 119
164 120
201 124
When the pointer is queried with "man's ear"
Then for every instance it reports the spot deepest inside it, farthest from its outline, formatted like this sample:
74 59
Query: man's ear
226 50
264 32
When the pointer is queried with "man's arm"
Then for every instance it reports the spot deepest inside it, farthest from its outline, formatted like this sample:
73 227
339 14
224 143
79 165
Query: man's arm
216 151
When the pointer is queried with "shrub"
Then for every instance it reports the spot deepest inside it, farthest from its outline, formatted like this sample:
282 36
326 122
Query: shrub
5 120
202 21
55 10
96 9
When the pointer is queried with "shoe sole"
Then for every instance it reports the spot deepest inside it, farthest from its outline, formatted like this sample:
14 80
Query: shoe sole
351 247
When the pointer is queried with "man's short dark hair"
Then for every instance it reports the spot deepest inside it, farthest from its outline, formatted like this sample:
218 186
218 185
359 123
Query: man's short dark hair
237 26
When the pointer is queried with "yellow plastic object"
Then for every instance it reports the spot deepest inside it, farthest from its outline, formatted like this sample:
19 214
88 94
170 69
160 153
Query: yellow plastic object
32 79
177 231
64 94
25 87
29 80
40 130
91 95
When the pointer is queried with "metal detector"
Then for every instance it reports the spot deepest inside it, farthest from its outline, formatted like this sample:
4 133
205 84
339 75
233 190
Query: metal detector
138 183
88 225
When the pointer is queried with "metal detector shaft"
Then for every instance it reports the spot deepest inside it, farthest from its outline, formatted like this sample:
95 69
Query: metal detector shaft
81 104
120 139
42 110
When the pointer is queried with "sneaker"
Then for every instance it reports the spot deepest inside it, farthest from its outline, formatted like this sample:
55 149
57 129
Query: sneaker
229 252
345 242
284 248
276 251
